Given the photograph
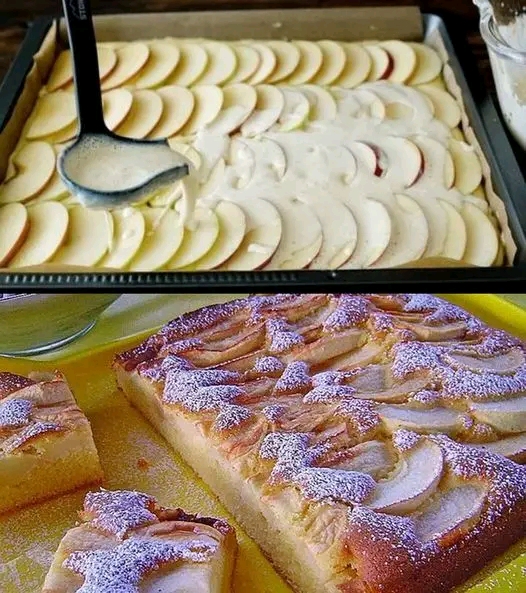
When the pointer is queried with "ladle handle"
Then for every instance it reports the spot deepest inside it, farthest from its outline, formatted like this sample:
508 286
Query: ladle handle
85 66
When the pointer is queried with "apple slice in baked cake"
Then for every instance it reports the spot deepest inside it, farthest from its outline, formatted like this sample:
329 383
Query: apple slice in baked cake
367 443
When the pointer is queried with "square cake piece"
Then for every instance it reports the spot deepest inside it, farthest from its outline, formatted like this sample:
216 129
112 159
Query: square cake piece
128 543
367 443
46 444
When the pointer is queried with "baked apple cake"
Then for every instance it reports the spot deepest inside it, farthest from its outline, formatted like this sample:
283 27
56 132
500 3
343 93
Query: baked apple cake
46 444
126 542
367 443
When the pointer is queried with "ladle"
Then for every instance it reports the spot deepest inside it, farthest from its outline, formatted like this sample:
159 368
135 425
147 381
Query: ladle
102 169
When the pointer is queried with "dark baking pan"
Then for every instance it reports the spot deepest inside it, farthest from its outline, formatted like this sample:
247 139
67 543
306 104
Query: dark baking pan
508 181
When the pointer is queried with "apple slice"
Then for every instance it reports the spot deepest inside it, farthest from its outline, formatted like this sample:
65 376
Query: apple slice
468 170
322 103
482 245
506 416
193 61
311 58
409 234
162 238
502 364
428 64
428 421
248 61
287 59
381 62
62 73
368 158
270 102
295 111
48 225
14 226
455 510
178 105
400 101
370 457
437 222
116 105
241 164
208 102
189 152
267 63
402 160
64 136
437 161
456 238
301 237
88 238
372 106
340 233
129 231
269 157
374 232
513 447
144 115
222 62
161 63
232 226
35 165
446 109
197 240
53 190
262 236
53 112
414 480
239 101
131 58
357 67
404 60
333 63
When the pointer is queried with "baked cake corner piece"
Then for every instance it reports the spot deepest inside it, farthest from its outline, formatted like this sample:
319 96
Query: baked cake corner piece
127 542
46 444
366 442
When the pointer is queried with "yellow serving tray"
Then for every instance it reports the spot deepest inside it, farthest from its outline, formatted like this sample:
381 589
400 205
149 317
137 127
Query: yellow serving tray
28 538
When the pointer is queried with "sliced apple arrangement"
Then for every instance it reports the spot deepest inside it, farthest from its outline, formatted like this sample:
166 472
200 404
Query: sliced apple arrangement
305 154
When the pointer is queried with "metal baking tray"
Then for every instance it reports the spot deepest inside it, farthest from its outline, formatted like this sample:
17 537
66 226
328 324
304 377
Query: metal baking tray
508 181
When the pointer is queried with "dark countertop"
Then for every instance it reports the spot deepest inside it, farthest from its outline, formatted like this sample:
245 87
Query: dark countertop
461 17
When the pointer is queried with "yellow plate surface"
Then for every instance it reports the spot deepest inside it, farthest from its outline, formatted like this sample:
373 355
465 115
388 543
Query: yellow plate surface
29 537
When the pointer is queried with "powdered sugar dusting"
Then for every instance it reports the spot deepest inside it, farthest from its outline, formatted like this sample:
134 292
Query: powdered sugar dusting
273 412
295 378
118 511
11 383
325 394
438 311
231 416
404 440
120 569
410 357
169 364
362 414
334 485
479 386
182 346
27 433
282 336
426 397
350 311
268 365
15 413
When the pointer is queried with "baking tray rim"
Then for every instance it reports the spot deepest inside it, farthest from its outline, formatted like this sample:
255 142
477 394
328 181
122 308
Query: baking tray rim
479 114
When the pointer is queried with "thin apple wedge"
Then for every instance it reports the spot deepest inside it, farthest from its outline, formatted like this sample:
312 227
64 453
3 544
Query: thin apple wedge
311 58
144 115
441 420
14 226
161 63
116 105
468 170
381 62
34 164
270 102
436 160
456 238
414 480
370 457
188 151
409 234
513 447
248 61
53 190
222 62
357 67
62 72
198 240
502 364
178 105
239 101
482 244
129 231
287 60
262 236
241 164
295 111
267 63
302 236
333 63
446 109
455 510
322 103
48 225
507 416
208 100
404 162
269 158
437 222
428 64
89 236
53 112
162 238
193 61
131 58
403 58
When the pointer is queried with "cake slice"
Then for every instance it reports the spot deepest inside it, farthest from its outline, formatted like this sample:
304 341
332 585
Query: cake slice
356 438
127 543
46 444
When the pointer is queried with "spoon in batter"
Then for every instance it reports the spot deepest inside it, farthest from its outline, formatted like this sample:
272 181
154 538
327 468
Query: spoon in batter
103 169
